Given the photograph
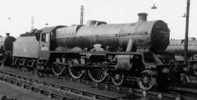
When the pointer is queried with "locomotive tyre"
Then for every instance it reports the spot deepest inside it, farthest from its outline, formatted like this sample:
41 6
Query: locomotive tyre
58 69
147 81
76 73
117 78
98 75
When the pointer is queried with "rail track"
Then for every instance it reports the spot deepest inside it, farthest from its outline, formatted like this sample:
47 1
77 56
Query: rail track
64 88
52 90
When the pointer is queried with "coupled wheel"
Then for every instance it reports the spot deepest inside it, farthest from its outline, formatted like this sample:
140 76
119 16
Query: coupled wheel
58 69
117 78
146 82
75 72
98 75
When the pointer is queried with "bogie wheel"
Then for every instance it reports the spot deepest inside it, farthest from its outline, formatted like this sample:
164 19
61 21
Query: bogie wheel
147 81
98 75
117 78
58 69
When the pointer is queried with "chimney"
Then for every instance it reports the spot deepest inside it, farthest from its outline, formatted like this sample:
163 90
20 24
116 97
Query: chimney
142 17
91 22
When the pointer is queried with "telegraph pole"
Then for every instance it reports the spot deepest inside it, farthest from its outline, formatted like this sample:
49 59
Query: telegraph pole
81 15
32 22
186 33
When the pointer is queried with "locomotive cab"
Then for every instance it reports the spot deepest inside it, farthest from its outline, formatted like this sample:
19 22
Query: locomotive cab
44 45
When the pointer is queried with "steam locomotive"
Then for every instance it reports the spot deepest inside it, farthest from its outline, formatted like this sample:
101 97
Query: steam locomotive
99 50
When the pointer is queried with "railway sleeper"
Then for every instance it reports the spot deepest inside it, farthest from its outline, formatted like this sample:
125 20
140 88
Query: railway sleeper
80 93
35 89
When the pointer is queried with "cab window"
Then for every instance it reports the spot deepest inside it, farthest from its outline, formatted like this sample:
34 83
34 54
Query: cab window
43 38
47 37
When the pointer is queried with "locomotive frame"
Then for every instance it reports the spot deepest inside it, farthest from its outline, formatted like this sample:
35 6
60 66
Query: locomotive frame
98 65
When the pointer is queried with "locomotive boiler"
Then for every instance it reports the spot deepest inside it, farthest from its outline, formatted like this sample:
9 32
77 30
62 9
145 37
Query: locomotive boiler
150 35
177 46
99 49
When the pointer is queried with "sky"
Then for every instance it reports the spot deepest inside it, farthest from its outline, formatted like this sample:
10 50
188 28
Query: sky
16 15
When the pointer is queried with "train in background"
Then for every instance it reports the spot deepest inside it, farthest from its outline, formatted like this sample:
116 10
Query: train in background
101 51
175 54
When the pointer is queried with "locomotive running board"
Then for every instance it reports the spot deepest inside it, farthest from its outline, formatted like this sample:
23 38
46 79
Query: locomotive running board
97 52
